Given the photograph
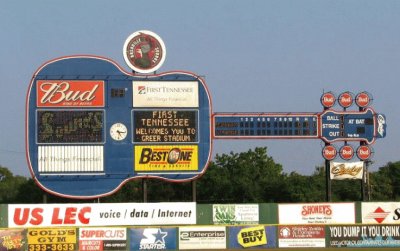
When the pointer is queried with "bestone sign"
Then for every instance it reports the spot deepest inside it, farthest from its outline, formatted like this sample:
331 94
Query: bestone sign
91 126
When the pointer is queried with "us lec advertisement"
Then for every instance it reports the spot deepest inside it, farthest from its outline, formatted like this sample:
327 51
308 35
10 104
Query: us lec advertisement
110 214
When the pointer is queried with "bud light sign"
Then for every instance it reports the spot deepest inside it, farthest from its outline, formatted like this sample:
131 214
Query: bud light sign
91 126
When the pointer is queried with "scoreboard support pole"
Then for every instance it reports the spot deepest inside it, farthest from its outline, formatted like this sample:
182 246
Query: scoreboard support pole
368 184
365 186
364 180
144 189
328 182
194 191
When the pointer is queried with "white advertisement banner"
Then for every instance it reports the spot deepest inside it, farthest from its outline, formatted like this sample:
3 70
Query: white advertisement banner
301 236
202 238
380 212
165 94
346 170
317 213
235 214
105 214
70 159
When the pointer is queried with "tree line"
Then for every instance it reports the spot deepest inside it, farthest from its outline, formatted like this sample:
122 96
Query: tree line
247 177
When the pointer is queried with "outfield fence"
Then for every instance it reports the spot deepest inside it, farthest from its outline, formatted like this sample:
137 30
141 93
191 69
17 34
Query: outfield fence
188 226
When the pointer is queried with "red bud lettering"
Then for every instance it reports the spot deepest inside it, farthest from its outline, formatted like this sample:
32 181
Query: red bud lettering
55 93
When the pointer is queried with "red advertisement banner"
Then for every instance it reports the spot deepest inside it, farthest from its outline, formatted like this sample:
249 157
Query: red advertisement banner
70 93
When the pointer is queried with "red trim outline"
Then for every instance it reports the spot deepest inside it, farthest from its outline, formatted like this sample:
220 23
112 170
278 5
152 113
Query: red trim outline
145 76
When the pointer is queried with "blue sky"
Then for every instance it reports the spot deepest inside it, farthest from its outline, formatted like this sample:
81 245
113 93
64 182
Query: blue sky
256 56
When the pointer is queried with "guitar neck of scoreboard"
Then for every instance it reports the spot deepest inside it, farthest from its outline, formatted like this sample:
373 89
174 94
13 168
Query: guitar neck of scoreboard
265 125
330 126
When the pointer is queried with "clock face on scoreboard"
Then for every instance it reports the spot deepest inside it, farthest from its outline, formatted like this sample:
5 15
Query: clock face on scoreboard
91 126
118 131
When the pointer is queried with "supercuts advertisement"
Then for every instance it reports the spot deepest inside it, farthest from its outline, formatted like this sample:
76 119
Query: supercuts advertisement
102 239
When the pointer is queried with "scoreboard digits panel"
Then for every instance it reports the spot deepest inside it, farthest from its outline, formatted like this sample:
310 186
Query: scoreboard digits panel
266 126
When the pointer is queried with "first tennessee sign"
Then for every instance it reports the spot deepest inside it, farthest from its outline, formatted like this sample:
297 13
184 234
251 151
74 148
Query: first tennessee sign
70 93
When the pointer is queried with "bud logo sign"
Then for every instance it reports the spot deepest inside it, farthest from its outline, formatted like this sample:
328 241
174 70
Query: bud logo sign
166 158
70 93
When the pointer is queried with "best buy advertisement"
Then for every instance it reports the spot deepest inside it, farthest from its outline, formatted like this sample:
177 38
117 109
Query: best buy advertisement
252 237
